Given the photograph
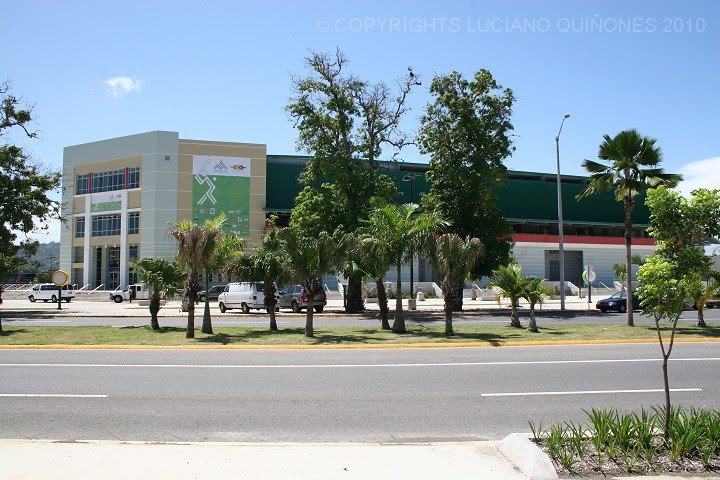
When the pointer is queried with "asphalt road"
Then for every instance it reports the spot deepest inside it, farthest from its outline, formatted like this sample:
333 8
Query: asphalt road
256 319
385 395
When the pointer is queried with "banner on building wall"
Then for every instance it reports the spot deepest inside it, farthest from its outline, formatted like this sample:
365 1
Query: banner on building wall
106 202
222 185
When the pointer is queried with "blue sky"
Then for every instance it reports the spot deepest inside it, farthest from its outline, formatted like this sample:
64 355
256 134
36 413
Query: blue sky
220 70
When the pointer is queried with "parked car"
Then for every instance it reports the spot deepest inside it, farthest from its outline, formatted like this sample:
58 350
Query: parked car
136 291
293 297
242 295
212 294
48 292
618 301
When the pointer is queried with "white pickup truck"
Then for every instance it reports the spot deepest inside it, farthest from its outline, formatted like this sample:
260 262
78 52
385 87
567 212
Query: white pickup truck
136 291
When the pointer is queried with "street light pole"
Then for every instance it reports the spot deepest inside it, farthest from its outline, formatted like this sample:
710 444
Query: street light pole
561 250
410 177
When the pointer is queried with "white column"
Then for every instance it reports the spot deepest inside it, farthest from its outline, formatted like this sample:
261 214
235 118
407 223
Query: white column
123 239
87 252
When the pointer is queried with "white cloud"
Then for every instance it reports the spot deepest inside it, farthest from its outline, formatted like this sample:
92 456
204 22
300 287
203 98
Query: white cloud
119 86
700 174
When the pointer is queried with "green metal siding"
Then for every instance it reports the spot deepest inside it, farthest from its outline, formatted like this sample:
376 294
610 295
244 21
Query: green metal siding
532 198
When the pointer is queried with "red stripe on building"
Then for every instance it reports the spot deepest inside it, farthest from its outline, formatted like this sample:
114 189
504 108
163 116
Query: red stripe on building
127 177
540 238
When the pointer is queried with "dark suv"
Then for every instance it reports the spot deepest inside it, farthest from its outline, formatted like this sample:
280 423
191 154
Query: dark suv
213 294
293 297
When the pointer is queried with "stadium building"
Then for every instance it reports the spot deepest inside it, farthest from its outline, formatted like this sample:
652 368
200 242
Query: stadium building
120 194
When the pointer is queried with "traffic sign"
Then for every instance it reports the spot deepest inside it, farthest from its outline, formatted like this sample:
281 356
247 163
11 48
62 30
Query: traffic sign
60 278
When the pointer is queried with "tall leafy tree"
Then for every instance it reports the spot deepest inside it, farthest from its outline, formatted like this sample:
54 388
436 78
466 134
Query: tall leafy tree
196 247
396 231
309 259
663 290
630 167
24 187
467 132
346 124
270 265
453 257
508 279
163 279
678 222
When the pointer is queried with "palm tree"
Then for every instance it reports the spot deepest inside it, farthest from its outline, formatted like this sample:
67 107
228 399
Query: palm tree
163 279
702 291
367 257
309 259
453 257
535 292
397 231
227 249
509 280
269 264
196 246
631 170
620 269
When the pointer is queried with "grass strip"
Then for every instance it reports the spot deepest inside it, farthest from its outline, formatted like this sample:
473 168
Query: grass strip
417 333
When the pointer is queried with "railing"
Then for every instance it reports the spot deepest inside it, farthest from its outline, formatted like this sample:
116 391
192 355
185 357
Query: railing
99 287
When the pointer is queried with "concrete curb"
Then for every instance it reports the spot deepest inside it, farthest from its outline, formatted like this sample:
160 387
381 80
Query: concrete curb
350 346
527 457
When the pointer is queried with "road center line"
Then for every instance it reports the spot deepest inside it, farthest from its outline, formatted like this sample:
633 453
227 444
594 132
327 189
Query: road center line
34 322
360 365
586 392
56 395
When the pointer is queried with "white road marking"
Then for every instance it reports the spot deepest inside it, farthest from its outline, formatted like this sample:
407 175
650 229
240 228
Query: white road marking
38 321
247 323
586 392
58 395
359 365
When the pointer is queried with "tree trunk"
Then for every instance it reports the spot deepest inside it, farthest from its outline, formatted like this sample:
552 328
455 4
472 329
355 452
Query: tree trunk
382 303
190 333
309 332
354 301
207 322
628 260
532 324
399 323
270 303
449 304
701 318
666 432
514 320
154 309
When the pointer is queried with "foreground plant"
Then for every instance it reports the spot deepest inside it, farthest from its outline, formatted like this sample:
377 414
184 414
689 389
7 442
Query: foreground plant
614 442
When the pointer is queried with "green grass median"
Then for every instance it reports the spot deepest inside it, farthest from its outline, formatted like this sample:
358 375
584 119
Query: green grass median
417 334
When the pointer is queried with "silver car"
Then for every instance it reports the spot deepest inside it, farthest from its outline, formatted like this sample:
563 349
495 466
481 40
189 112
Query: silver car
293 297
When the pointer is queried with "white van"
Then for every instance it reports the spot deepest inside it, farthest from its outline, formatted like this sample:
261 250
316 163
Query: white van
243 295
49 292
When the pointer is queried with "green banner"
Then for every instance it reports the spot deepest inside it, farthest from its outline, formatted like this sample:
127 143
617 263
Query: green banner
222 185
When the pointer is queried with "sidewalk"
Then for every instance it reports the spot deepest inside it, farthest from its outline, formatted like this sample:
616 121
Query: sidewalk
115 460
111 460
85 308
